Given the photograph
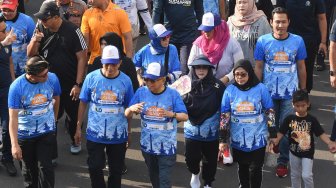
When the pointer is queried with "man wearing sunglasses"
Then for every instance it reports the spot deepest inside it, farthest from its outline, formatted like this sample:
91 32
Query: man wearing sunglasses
62 44
23 27
6 78
33 103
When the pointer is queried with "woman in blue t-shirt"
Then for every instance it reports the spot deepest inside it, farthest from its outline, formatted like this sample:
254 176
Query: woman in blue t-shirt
201 130
246 115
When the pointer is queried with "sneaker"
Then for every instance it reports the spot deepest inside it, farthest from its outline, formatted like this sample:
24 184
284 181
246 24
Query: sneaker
10 168
207 186
124 170
227 157
281 171
75 149
195 181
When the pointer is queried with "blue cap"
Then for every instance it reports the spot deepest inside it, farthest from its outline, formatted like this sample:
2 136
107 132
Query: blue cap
209 22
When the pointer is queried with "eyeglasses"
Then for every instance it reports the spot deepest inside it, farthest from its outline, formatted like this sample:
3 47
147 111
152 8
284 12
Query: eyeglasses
46 19
242 74
201 66
165 38
4 30
151 80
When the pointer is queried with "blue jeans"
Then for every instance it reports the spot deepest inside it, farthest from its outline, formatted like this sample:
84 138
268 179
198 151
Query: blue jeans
160 169
7 150
183 51
282 109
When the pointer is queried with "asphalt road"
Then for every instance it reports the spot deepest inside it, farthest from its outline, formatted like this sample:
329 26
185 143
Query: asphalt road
72 170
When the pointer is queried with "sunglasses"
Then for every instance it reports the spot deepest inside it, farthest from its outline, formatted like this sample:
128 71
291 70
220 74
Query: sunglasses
165 38
201 66
242 75
151 80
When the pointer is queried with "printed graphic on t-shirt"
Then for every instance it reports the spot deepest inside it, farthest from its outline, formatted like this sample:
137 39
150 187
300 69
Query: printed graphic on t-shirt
301 135
180 2
250 32
208 131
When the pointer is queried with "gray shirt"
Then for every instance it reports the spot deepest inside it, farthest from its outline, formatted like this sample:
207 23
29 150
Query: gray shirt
248 35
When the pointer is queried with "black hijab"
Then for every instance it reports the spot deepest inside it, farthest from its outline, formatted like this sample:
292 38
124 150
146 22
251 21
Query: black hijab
252 80
114 39
204 99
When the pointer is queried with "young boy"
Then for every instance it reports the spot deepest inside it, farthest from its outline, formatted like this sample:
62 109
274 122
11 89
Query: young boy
300 128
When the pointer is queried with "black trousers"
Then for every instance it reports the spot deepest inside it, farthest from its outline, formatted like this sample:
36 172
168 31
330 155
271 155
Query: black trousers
207 152
96 162
36 167
71 109
249 167
311 48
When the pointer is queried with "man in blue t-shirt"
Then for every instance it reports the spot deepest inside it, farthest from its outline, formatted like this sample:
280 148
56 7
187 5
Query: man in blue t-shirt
23 27
33 102
308 19
280 65
108 92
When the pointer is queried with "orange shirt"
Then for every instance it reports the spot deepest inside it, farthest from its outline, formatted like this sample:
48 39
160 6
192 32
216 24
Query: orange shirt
96 23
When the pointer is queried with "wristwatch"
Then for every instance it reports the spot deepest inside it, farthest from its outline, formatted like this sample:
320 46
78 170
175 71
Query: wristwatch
331 73
79 84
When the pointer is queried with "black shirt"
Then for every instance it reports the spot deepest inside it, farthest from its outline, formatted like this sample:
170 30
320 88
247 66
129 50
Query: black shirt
300 134
5 75
60 49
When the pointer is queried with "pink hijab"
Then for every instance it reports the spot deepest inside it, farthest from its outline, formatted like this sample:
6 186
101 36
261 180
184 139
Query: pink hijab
252 15
213 48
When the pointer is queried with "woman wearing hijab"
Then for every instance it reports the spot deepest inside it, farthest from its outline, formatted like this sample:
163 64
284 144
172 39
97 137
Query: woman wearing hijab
246 25
158 50
217 45
126 66
201 130
247 117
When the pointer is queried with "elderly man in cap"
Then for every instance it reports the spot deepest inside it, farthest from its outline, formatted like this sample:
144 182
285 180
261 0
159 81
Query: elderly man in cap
108 92
160 108
33 102
71 10
62 44
23 26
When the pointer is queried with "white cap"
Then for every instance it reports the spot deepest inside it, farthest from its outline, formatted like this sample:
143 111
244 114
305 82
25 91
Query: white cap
153 71
209 21
161 31
110 55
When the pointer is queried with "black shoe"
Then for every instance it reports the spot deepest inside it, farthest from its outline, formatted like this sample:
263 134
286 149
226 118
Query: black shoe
124 170
11 170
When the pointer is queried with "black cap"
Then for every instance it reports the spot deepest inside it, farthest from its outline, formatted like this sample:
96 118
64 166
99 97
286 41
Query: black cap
201 60
47 9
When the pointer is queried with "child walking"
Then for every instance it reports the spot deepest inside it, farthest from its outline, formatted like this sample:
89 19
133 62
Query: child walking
300 128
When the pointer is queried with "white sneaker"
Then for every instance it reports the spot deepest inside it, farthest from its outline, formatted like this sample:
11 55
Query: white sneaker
194 181
207 186
75 149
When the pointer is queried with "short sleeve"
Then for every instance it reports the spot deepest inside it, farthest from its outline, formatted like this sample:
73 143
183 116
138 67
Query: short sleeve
79 43
285 125
85 22
30 28
14 97
259 54
136 99
320 7
179 106
137 59
225 106
85 94
129 92
301 53
125 25
174 62
332 35
57 86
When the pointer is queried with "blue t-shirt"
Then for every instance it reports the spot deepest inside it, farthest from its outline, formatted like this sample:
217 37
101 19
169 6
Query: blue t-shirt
35 104
23 28
158 134
144 57
280 73
108 98
207 131
248 127
211 6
